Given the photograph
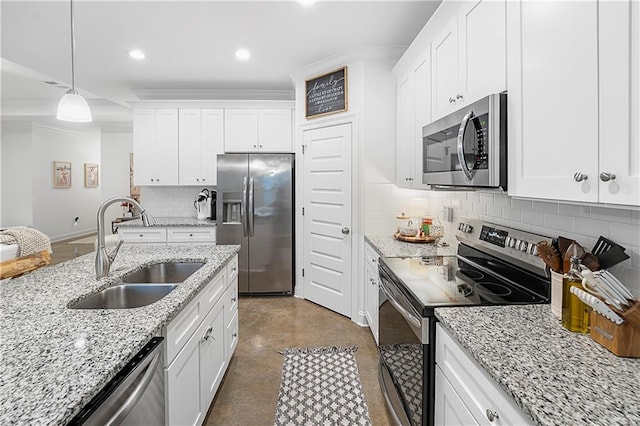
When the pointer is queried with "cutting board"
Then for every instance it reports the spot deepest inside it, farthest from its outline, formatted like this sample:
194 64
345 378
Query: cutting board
423 240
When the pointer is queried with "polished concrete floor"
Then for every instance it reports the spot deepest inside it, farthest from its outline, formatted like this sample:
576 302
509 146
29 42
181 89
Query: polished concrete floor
249 391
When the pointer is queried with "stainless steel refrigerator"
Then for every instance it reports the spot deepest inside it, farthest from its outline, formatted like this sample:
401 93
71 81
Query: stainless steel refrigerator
255 210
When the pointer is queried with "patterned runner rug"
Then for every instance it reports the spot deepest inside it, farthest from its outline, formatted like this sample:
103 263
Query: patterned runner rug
321 386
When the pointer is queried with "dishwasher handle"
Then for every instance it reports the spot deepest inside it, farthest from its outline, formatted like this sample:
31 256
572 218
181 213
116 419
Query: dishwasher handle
135 395
118 397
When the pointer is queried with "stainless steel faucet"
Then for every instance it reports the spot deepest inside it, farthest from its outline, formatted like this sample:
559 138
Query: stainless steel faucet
104 259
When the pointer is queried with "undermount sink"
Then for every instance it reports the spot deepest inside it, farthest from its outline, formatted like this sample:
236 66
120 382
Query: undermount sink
125 296
142 287
163 273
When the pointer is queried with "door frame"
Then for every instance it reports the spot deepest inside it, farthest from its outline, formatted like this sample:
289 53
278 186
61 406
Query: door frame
357 295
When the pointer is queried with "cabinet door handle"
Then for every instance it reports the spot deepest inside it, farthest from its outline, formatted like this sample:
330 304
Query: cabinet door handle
606 176
491 415
234 335
451 100
204 179
233 299
191 235
152 180
197 180
207 334
579 177
459 97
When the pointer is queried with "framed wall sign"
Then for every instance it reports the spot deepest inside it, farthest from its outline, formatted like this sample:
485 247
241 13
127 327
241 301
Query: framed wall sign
61 174
326 94
90 175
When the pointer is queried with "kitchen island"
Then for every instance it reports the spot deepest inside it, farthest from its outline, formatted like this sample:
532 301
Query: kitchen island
555 377
55 359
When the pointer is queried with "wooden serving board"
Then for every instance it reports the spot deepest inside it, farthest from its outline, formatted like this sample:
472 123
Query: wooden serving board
24 264
423 240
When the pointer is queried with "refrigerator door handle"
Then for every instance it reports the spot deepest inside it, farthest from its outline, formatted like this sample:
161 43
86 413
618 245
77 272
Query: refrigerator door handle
243 207
250 208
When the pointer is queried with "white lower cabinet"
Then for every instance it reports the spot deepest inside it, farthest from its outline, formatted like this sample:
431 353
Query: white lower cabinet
168 235
450 409
371 289
200 343
464 393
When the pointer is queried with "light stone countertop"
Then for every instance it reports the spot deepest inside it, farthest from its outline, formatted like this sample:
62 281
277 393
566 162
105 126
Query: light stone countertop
555 376
54 359
169 221
387 246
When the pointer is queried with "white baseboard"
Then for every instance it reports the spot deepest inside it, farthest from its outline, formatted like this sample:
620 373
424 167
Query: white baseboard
74 234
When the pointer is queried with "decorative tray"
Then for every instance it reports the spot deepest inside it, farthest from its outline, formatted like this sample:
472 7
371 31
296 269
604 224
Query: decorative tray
417 239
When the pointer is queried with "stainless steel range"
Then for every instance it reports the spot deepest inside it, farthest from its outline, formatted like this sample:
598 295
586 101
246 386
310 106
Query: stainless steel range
494 265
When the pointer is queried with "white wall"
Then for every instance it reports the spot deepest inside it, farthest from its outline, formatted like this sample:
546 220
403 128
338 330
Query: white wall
17 177
115 147
54 209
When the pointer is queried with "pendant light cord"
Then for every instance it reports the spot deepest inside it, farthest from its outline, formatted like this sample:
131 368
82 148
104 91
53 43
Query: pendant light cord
73 48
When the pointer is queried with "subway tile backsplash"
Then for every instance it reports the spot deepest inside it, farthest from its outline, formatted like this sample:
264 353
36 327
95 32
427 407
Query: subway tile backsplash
581 223
169 201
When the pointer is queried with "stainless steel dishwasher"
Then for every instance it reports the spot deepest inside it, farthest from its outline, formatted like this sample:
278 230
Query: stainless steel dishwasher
135 396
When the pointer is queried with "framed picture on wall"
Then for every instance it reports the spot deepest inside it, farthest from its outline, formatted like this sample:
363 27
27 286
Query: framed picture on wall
90 175
61 174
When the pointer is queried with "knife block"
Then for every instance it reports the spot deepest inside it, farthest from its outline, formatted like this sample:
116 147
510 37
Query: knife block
622 340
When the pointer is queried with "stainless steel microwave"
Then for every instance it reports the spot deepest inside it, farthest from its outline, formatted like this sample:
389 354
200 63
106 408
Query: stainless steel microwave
468 148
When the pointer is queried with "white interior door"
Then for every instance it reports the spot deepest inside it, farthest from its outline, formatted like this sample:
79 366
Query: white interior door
327 217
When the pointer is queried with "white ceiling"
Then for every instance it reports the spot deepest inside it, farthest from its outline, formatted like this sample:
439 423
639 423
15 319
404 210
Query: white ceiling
189 46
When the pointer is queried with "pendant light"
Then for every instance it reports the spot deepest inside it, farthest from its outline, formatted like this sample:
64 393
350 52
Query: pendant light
72 106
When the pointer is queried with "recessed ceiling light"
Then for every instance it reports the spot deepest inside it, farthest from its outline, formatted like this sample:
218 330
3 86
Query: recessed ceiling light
136 54
243 54
306 2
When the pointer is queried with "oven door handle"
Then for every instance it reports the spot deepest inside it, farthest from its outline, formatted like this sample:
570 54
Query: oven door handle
405 313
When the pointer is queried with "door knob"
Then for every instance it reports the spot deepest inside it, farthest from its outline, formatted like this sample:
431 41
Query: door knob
345 230
579 177
606 176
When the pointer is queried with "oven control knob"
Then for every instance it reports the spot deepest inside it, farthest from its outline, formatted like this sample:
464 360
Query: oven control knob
533 249
507 241
465 227
512 242
524 246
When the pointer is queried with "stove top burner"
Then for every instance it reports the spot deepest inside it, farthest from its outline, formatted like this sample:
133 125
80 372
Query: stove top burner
493 289
474 275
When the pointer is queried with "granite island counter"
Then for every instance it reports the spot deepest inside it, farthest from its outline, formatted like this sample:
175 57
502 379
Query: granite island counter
555 377
55 359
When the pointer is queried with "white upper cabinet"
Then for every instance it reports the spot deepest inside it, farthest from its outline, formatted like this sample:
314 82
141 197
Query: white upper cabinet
155 146
414 112
445 70
573 101
201 139
274 130
240 130
258 130
469 56
619 144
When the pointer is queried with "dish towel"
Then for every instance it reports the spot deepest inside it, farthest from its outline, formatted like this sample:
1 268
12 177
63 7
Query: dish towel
29 240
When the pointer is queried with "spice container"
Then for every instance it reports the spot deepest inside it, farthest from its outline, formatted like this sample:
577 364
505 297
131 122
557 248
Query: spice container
575 313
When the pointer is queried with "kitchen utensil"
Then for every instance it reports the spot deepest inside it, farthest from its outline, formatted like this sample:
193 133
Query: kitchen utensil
615 284
609 253
595 285
598 305
550 256
563 244
612 257
556 294
591 261
602 245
